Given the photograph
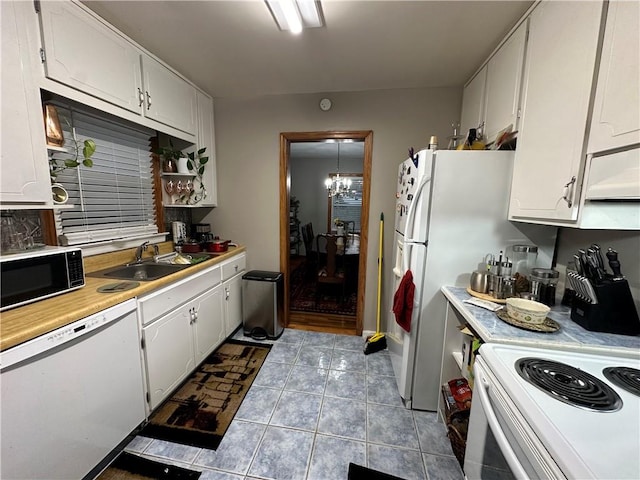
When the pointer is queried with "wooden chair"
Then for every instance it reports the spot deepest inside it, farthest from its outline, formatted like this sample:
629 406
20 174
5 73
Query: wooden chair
330 272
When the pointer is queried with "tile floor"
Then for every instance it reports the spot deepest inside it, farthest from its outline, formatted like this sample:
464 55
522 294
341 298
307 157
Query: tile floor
317 404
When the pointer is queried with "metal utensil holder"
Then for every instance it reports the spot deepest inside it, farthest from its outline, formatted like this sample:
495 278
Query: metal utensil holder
613 311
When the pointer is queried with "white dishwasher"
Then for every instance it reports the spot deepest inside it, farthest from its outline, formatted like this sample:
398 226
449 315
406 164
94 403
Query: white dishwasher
69 397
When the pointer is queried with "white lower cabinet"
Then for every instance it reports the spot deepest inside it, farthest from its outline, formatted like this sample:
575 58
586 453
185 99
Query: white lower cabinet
232 304
177 339
232 271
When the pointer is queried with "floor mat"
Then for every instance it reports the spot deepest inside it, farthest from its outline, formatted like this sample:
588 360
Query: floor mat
304 299
127 466
200 411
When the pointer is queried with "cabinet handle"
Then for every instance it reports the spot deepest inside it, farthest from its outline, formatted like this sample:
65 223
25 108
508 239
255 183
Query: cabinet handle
226 293
140 97
568 192
148 99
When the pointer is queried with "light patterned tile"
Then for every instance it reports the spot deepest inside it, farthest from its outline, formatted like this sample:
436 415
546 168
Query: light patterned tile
290 335
172 451
307 379
297 410
331 457
384 390
319 339
258 405
432 434
283 353
406 464
283 454
235 452
345 384
348 360
391 426
379 363
349 342
272 375
448 468
344 418
315 356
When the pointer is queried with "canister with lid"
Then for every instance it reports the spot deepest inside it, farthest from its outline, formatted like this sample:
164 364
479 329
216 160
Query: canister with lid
524 258
543 284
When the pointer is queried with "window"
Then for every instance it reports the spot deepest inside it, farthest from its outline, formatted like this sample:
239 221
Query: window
114 199
347 208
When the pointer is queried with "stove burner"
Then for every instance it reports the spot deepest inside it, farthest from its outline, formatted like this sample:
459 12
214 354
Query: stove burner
569 384
626 378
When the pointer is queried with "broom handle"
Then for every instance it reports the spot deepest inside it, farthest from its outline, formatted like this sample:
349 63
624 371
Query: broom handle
379 272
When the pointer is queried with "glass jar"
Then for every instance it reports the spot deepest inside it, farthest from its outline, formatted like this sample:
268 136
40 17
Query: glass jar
543 285
524 258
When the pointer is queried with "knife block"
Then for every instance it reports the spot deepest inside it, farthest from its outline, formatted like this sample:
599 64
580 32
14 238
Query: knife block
615 311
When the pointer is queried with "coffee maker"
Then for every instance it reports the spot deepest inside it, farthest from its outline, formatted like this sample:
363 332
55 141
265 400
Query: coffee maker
200 232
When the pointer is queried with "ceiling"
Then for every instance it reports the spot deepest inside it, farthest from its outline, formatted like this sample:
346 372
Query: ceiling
234 49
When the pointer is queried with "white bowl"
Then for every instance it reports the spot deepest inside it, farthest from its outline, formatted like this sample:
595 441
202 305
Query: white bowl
527 311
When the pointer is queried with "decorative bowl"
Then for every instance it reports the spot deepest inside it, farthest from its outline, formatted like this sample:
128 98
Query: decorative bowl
527 310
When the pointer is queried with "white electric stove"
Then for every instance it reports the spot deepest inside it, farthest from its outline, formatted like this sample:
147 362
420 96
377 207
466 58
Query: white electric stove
525 422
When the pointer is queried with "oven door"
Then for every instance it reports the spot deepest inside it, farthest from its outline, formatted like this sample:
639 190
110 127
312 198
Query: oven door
500 444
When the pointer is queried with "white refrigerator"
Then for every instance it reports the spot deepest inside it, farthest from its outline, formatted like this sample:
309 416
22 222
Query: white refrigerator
451 210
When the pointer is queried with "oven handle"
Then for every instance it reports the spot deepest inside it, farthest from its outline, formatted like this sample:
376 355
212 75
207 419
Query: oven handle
492 419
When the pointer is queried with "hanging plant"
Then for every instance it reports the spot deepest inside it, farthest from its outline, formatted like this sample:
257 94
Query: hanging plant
196 163
87 147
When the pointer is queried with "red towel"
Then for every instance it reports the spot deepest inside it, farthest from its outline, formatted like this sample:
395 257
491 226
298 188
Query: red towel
403 301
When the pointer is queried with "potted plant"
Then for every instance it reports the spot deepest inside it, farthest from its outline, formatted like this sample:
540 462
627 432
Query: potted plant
171 157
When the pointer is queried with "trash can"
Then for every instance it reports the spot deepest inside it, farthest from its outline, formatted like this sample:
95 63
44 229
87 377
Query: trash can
263 304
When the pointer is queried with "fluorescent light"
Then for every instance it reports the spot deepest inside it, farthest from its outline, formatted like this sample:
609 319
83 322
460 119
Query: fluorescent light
294 15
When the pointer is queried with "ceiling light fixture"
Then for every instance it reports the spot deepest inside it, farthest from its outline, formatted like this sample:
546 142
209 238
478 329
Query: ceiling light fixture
294 15
335 185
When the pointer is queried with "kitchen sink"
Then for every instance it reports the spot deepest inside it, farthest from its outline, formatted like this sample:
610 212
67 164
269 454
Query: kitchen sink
139 271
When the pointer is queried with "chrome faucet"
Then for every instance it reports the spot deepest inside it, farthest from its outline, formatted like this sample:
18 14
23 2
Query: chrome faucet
141 248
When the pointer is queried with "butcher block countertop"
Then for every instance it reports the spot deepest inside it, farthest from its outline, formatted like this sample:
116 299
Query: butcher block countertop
21 324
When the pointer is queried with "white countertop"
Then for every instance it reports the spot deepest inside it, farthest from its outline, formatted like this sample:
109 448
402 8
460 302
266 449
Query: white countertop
570 336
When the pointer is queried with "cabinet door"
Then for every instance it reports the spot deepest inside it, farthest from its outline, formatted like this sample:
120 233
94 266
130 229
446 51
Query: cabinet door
232 304
84 53
473 102
559 69
208 323
206 138
169 99
168 353
616 115
24 164
504 81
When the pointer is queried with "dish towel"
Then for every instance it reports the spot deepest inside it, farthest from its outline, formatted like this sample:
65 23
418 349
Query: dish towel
403 301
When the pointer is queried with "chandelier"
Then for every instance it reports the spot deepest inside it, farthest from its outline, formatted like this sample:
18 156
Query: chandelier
335 185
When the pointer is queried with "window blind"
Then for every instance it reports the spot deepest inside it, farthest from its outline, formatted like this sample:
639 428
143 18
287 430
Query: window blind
114 199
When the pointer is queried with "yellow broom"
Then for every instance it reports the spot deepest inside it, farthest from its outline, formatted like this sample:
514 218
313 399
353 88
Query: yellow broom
377 341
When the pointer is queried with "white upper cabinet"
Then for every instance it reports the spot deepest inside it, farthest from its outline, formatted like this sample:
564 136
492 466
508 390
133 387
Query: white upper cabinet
473 102
559 70
87 54
24 180
504 81
84 53
168 98
206 139
616 110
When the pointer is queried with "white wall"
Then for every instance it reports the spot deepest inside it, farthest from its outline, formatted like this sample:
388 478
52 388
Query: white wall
626 243
247 151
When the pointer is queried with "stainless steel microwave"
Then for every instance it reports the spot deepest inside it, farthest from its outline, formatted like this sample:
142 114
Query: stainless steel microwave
35 275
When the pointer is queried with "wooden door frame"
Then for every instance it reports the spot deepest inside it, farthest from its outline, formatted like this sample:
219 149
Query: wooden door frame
286 138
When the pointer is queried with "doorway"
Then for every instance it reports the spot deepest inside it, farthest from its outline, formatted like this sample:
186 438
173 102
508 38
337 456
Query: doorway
292 249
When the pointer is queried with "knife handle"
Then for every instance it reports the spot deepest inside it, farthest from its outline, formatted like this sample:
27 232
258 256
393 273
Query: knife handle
614 263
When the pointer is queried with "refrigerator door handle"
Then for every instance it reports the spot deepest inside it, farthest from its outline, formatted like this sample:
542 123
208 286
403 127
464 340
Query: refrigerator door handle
412 210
